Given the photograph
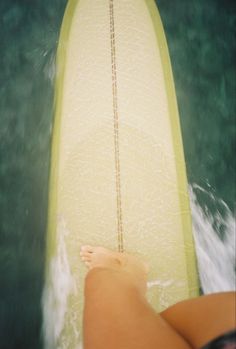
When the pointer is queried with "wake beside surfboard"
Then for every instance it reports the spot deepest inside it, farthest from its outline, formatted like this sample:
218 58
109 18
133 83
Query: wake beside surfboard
117 168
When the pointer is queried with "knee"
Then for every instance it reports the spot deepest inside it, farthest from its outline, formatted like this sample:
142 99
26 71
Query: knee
99 280
96 278
95 274
101 287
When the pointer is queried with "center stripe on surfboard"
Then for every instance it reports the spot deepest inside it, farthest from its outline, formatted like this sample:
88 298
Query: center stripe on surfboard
116 130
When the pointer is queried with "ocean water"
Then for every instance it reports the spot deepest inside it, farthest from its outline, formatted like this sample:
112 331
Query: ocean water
201 41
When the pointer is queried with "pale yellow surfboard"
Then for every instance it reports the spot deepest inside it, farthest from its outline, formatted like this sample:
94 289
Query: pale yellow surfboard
118 174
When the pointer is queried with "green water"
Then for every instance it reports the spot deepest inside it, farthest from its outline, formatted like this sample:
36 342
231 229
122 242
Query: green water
200 35
201 39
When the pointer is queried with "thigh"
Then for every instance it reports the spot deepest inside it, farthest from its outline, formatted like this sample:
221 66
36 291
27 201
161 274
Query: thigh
117 316
203 319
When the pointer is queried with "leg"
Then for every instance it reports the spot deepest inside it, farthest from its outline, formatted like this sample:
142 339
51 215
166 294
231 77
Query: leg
116 313
202 319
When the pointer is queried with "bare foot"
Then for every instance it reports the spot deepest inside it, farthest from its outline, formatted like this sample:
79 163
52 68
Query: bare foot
97 256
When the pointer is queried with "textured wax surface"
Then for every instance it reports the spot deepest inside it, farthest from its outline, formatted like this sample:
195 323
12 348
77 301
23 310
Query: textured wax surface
83 183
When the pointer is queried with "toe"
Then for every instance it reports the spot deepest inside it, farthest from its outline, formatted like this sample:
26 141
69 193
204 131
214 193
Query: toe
85 259
85 254
87 264
87 248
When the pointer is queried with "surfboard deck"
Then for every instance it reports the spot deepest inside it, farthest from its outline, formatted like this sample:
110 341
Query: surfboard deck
118 175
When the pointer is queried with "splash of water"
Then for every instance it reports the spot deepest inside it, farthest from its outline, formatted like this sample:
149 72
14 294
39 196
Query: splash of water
215 241
60 284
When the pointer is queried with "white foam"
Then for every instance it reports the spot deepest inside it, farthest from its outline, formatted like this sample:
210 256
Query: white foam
215 254
58 286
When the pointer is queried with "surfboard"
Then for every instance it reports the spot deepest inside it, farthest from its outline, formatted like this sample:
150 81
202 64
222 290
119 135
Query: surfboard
118 176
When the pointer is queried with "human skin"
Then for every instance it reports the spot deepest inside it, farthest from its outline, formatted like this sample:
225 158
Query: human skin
118 316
